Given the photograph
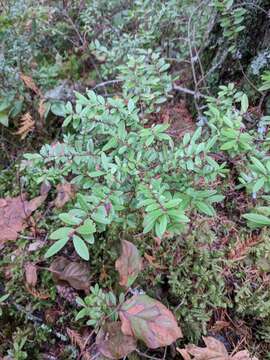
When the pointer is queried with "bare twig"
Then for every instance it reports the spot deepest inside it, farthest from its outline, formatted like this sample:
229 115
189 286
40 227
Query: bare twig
106 83
196 95
147 356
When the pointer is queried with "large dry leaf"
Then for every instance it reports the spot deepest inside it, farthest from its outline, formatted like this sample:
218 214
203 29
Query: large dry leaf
129 264
150 321
75 273
13 213
30 274
65 192
214 350
112 343
243 355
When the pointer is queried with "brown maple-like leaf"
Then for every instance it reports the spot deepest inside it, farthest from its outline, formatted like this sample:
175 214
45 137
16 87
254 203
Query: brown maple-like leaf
150 321
112 343
14 212
129 264
65 192
76 274
30 274
214 350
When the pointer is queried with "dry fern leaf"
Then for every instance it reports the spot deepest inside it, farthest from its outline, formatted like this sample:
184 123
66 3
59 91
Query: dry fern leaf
27 124
30 84
242 248
75 338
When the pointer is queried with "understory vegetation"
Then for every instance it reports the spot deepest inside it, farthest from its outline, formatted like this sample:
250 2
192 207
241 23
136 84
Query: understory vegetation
135 179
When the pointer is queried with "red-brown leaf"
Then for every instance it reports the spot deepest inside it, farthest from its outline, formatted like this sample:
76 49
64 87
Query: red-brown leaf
129 264
112 343
65 192
13 213
30 274
150 321
77 274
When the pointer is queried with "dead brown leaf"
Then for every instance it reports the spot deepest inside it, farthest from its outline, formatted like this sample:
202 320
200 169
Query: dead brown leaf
129 264
14 212
65 192
76 274
219 325
214 350
150 321
27 124
112 343
30 274
184 353
36 245
243 355
37 294
151 260
30 84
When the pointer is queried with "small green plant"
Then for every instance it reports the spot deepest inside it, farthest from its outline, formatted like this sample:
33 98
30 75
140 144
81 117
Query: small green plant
19 341
146 80
226 119
122 168
98 307
2 301
231 20
266 81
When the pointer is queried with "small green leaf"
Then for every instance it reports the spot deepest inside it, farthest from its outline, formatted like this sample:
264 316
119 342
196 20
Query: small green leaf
56 247
80 247
61 233
100 219
228 145
244 104
259 166
205 208
58 108
258 185
4 119
161 226
89 238
257 218
69 219
172 203
87 228
4 298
